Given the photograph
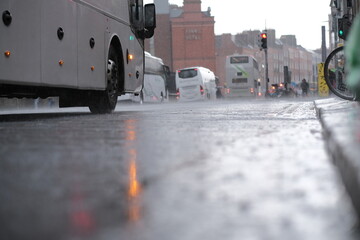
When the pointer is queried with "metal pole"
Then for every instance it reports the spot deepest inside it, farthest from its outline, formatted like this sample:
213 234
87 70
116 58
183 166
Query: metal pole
266 73
323 44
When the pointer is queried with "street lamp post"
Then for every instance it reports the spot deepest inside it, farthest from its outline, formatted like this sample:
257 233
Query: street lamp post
266 73
264 46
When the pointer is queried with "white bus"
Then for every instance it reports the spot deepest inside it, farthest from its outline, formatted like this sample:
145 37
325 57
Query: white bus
156 73
86 52
195 83
242 76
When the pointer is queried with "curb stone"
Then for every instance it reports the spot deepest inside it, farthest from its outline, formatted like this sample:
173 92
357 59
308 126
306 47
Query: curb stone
340 120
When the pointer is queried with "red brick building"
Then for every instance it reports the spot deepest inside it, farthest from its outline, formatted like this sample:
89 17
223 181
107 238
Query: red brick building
193 40
184 36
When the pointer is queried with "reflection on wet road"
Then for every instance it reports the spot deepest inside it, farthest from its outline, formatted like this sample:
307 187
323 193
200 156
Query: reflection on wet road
134 190
82 219
207 170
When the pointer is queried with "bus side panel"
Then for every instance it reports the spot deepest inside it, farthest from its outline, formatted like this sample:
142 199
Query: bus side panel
134 69
209 84
58 14
22 39
231 73
116 8
139 65
91 25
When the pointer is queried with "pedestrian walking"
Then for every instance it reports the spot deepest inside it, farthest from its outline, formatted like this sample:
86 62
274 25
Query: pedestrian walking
218 88
304 87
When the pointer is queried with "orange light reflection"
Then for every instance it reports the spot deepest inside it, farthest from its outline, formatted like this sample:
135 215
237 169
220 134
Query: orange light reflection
134 187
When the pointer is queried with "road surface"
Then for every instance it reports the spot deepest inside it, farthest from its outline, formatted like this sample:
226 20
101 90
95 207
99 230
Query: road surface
253 170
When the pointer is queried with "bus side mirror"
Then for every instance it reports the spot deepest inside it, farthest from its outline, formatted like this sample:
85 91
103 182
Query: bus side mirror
150 20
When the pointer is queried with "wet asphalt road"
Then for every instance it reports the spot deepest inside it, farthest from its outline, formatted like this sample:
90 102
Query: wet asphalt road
185 171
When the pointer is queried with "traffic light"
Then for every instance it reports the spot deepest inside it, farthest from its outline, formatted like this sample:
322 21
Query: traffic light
263 39
344 25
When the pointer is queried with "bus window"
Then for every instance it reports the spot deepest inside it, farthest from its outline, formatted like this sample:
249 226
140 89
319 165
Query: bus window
188 73
239 80
239 59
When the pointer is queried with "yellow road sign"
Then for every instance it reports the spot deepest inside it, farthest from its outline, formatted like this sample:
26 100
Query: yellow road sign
322 86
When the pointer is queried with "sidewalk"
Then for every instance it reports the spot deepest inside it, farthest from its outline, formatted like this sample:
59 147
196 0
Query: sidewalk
341 124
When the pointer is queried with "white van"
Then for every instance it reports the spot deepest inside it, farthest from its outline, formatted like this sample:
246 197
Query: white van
195 83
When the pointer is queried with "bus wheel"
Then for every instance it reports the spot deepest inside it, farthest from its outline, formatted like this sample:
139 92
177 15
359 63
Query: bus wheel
141 97
161 97
105 101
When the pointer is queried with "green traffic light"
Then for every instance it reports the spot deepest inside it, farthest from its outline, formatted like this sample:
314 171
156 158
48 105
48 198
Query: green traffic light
341 32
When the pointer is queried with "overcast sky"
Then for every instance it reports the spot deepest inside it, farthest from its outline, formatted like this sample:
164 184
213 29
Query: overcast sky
301 18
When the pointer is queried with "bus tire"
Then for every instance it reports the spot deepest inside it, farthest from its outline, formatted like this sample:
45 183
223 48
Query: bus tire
141 96
105 101
161 97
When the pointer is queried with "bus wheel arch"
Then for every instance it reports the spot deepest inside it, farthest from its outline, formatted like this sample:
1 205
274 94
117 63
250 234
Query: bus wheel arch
118 51
105 101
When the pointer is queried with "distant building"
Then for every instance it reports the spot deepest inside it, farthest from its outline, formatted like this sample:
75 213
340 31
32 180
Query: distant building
193 41
160 44
289 40
184 36
281 52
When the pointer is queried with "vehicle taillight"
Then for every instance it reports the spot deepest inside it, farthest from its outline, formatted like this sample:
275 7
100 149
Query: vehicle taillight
201 90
